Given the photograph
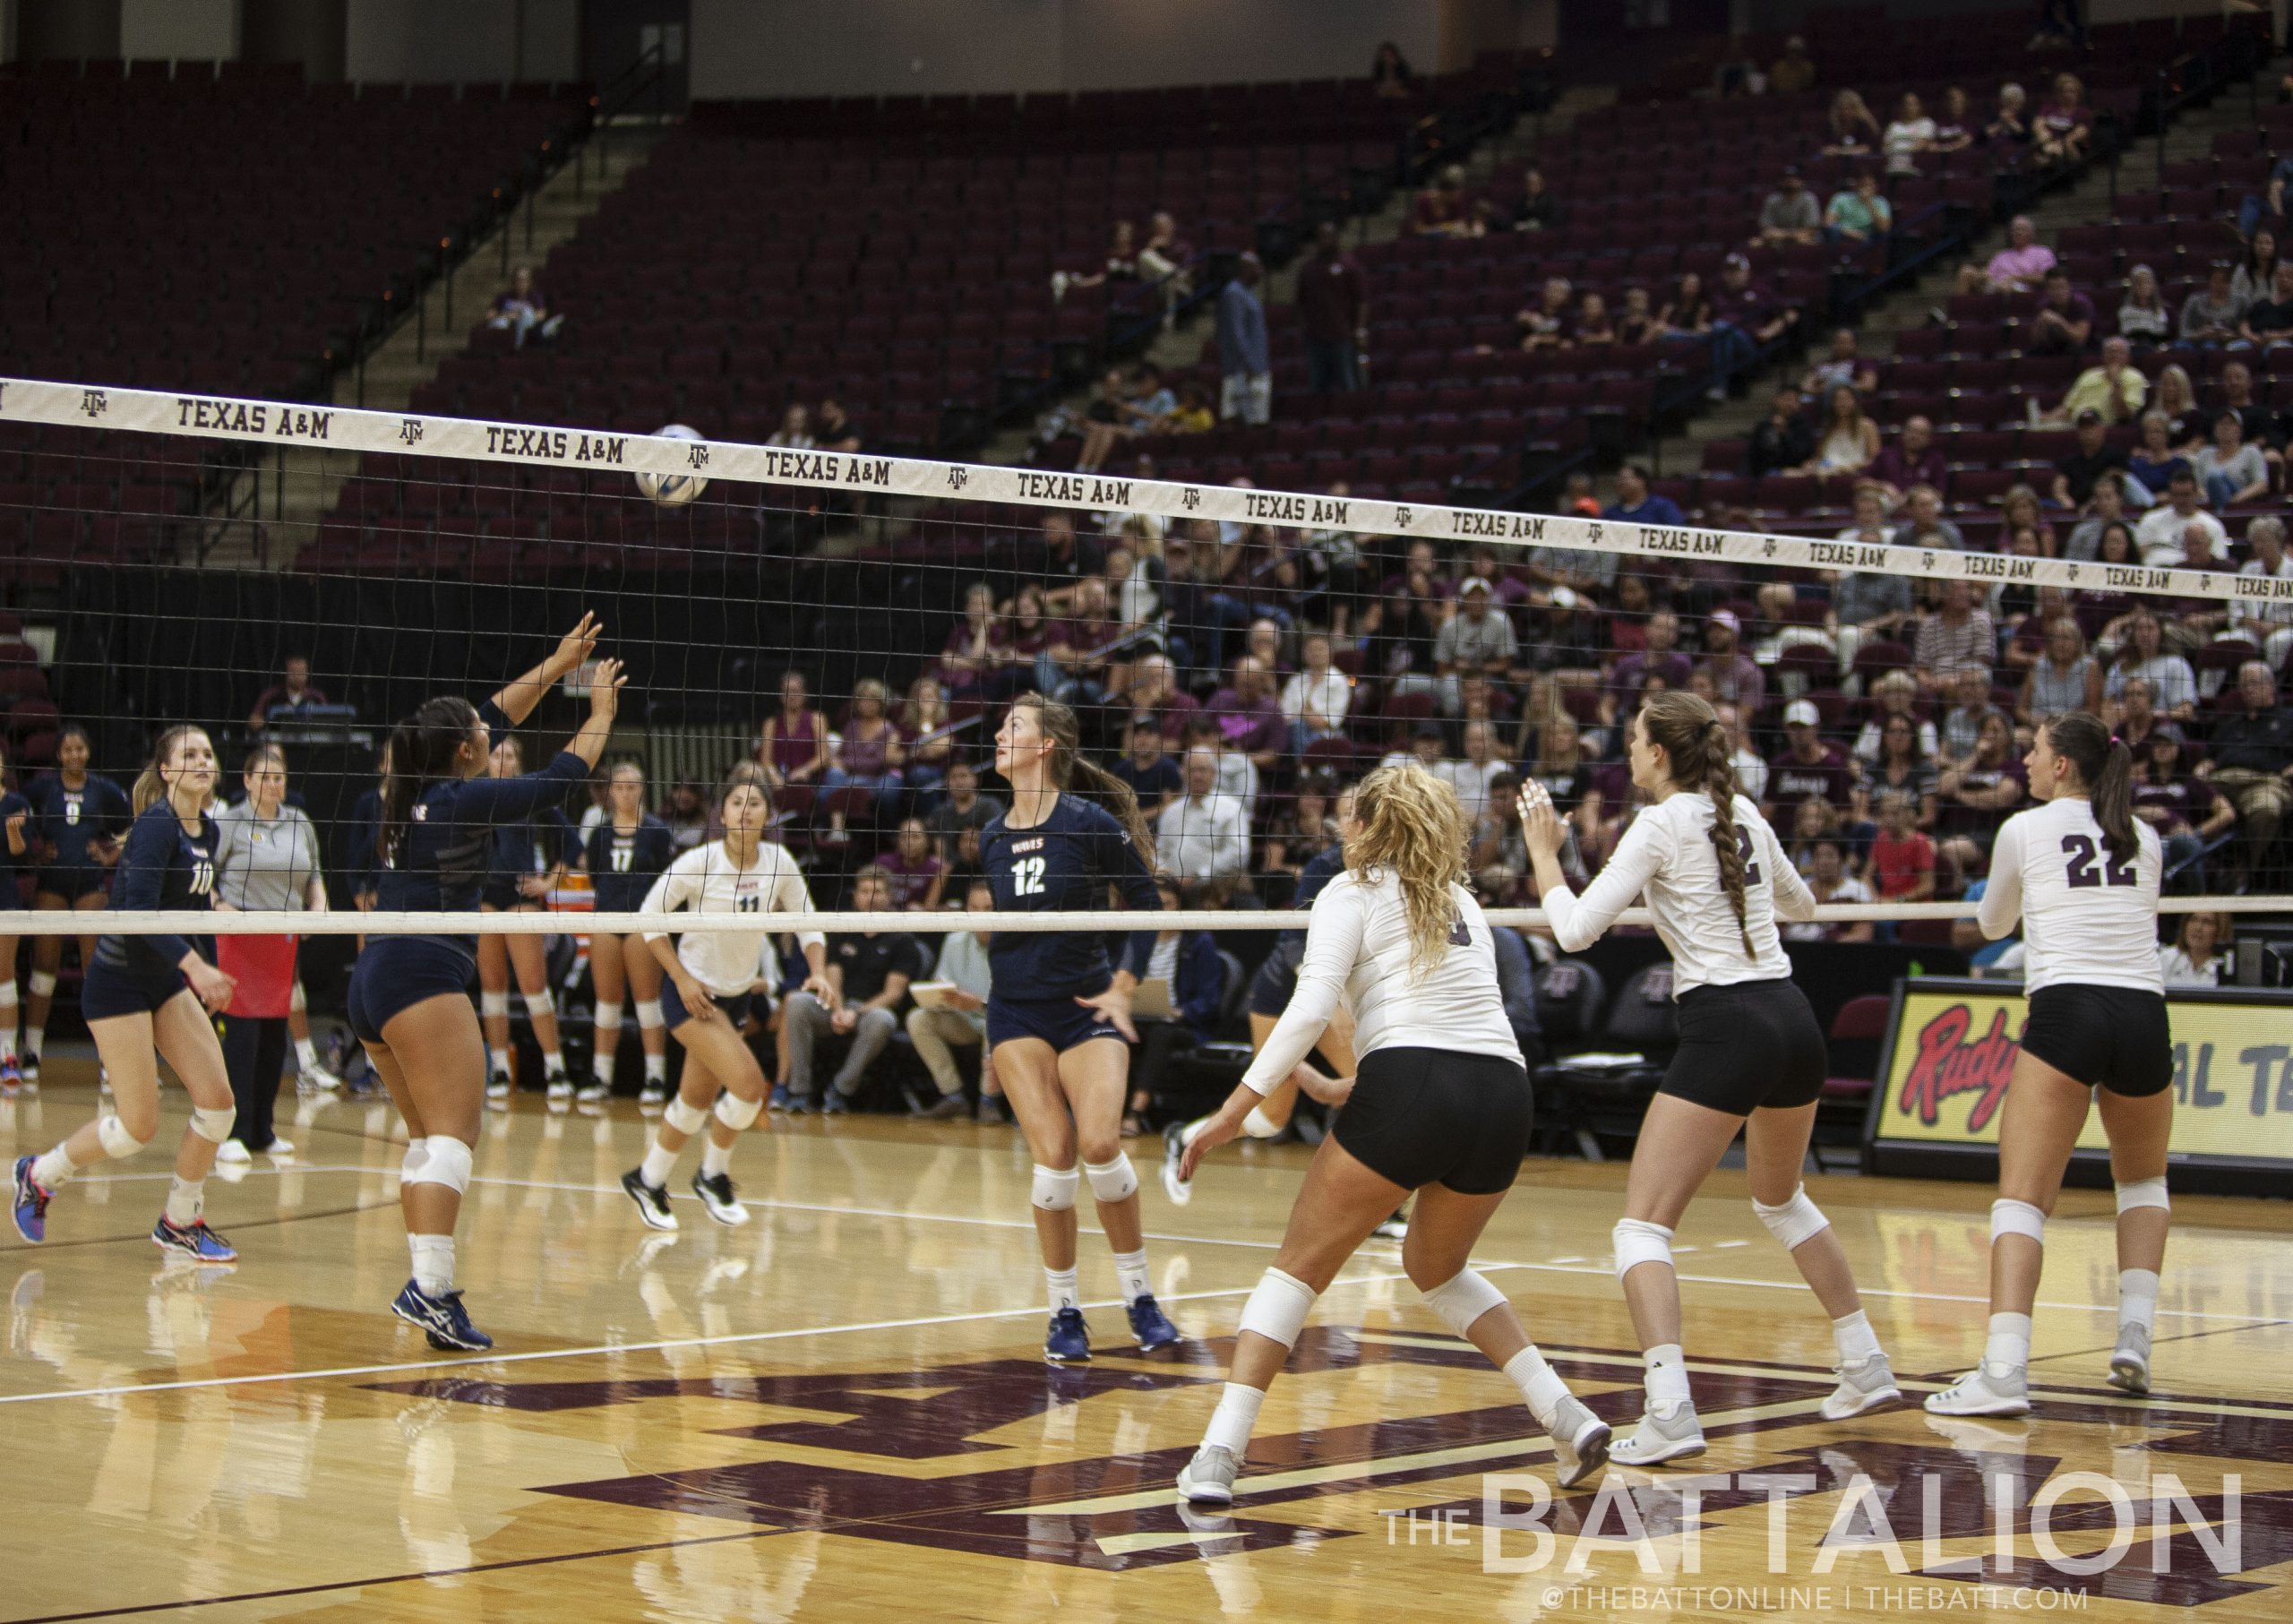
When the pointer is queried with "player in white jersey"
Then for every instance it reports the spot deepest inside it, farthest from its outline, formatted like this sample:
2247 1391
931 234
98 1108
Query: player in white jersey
1440 1105
2082 875
1751 1055
710 976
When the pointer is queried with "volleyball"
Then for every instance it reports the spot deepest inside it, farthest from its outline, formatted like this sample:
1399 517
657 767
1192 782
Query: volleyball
674 490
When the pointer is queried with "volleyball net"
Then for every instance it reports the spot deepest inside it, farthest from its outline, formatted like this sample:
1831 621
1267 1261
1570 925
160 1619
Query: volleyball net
857 623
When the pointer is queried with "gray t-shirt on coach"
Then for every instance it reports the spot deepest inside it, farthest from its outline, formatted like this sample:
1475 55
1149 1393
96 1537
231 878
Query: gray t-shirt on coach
265 864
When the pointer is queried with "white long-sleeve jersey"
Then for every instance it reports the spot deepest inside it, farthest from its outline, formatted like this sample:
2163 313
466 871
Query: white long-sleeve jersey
1667 855
2086 917
1357 950
706 880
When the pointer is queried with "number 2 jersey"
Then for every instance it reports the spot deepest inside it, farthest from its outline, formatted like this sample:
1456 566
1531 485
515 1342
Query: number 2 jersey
2087 918
1667 855
1062 865
706 881
165 866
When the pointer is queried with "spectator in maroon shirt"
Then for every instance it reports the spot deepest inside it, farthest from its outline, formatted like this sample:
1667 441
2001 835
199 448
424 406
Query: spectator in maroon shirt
1334 308
2062 321
1911 458
294 693
1810 769
1156 697
1661 658
1735 678
1745 316
1249 716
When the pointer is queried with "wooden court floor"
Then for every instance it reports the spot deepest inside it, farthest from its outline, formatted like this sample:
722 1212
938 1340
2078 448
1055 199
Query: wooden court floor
840 1412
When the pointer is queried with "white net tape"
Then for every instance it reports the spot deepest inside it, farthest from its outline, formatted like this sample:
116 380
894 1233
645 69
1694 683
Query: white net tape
341 429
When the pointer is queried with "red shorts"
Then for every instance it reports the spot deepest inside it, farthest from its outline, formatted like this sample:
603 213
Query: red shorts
264 968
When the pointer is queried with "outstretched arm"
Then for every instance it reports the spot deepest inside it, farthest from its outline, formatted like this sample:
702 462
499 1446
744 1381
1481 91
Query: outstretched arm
518 696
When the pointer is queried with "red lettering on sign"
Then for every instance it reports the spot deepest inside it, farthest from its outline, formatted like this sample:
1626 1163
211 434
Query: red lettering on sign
1946 1066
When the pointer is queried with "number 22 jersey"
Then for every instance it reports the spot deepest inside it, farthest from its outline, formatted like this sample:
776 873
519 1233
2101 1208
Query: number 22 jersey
2087 918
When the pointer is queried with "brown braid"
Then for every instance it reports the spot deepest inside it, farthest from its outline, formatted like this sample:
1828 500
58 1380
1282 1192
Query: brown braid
1695 742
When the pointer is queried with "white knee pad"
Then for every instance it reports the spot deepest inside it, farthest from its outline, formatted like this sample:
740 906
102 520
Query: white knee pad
1054 1189
1637 1241
1795 1222
2016 1218
494 1006
118 1144
447 1163
735 1112
214 1123
1278 1308
43 984
606 1016
648 1014
538 1005
1461 1300
417 1152
685 1119
295 998
1114 1181
2142 1193
7 992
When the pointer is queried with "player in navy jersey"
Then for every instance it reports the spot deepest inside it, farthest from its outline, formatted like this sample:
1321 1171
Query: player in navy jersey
147 993
15 856
78 818
627 851
1059 1018
524 860
409 995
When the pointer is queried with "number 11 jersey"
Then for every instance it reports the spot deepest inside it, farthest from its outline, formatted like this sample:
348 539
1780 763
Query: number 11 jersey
704 880
2087 917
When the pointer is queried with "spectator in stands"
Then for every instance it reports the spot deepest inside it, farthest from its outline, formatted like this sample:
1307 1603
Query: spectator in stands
2062 681
922 721
1910 135
2268 623
1923 524
1793 73
1120 265
2212 315
1471 774
1194 414
1333 309
795 430
964 808
1745 316
1738 75
869 754
1147 768
2105 507
978 651
793 747
2111 387
1841 368
2259 423
2142 318
964 868
1790 215
870 972
1975 796
1660 657
1903 856
2178 399
1389 71
1593 324
2144 657
291 693
2009 130
2017 268
1970 692
1441 209
1637 323
833 429
2231 471
1868 605
1305 828
2063 320
2269 316
2076 471
1536 209
1959 636
962 1018
1635 504
2065 129
1877 753
2134 715
1477 639
2155 459
521 310
1687 313
1809 769
1955 131
1203 837
1858 216
2160 533
2185 810
2270 201
2252 761
916 873
1829 881
1246 385
1784 441
2019 508
1545 325
1249 716
2256 277
1852 129
1912 458
1186 963
1316 700
1849 440
2195 958
1736 677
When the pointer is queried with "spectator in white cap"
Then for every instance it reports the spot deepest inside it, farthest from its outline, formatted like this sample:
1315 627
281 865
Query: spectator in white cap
1735 677
1809 769
1478 638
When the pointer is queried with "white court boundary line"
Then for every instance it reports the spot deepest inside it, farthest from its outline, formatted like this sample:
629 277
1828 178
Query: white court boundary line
471 440
731 1339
